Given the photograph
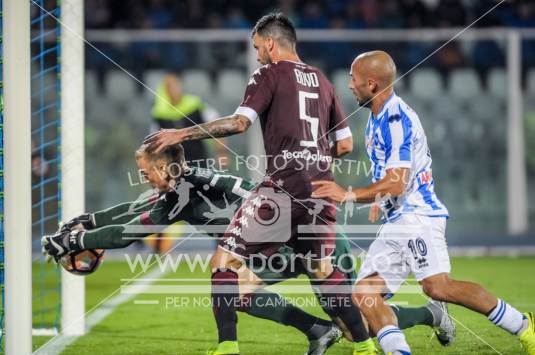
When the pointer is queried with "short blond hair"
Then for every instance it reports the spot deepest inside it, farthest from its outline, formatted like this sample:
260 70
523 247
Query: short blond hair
171 154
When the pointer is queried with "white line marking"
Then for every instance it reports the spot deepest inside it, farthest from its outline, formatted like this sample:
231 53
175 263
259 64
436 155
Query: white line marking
44 332
146 302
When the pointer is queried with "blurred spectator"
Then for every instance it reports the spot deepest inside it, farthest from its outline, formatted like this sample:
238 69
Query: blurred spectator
485 56
139 17
491 19
40 168
214 20
448 58
236 19
450 13
336 7
354 16
416 14
313 16
41 186
173 108
100 17
370 13
195 14
288 7
523 15
391 15
159 15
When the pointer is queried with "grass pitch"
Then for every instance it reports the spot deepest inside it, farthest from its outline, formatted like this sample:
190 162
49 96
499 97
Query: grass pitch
185 328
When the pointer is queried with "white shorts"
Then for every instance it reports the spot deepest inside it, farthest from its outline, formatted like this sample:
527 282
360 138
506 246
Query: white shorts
412 242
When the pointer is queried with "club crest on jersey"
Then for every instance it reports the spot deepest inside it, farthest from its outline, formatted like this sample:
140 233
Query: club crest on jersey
425 177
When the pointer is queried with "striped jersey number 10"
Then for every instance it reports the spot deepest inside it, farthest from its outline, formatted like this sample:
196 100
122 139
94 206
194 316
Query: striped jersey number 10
313 121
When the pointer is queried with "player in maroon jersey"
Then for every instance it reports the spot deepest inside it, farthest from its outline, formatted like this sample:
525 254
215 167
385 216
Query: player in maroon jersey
301 118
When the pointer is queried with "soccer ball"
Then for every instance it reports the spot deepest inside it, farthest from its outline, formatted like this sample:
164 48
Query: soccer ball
83 262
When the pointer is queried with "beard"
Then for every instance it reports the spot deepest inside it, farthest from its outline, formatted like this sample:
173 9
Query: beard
365 102
264 59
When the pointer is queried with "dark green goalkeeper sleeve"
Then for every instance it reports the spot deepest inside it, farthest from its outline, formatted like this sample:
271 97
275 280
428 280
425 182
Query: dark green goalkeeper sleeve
115 236
124 212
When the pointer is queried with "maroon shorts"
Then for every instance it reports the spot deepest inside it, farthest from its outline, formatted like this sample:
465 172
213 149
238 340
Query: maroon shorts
269 219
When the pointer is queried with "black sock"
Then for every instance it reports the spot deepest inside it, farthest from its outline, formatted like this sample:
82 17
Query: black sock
335 295
269 305
225 297
409 317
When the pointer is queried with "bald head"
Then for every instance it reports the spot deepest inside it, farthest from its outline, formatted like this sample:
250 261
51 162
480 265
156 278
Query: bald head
372 76
376 65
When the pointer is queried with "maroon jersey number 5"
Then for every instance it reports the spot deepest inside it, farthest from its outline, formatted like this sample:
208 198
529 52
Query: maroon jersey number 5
314 121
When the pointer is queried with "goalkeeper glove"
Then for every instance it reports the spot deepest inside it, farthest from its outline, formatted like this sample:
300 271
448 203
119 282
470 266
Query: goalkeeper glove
62 243
86 220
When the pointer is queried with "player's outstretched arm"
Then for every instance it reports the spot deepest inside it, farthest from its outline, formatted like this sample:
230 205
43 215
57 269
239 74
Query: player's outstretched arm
115 236
124 212
118 214
393 184
112 236
223 127
108 237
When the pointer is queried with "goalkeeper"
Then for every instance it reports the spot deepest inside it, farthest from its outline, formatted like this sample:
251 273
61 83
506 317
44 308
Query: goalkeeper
203 197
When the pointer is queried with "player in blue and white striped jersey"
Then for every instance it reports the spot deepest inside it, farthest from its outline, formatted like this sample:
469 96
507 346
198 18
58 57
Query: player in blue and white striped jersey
413 236
395 139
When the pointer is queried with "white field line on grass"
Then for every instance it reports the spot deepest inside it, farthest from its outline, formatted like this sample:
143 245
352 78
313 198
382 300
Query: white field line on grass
148 302
58 344
44 332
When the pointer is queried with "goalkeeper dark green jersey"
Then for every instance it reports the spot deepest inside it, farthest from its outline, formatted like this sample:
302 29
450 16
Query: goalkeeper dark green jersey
200 197
203 198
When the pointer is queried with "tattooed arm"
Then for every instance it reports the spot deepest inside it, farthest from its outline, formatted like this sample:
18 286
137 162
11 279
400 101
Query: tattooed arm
223 127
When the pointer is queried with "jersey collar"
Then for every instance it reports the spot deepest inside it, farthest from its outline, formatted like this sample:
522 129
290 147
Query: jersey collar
291 61
385 105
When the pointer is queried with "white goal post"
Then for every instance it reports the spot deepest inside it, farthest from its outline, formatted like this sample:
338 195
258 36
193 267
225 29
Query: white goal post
17 177
72 153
